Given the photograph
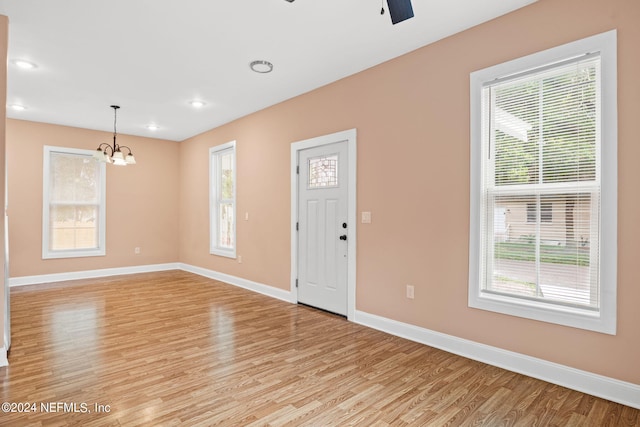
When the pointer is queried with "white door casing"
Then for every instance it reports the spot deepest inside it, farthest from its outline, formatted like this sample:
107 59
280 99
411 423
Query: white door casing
7 294
323 250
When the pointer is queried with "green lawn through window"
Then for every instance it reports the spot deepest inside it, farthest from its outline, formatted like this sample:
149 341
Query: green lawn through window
548 253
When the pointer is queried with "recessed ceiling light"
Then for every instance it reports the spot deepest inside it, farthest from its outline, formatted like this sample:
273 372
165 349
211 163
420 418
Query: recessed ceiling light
24 64
197 103
261 66
152 126
17 107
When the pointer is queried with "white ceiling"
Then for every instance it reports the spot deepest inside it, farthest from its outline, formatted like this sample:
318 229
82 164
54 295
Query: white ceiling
152 57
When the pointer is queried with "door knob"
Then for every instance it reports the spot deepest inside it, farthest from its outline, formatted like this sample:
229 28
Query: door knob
343 237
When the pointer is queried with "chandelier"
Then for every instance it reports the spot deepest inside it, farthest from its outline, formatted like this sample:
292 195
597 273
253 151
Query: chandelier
112 153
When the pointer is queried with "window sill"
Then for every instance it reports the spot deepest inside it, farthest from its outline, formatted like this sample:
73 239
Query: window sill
230 253
73 254
550 313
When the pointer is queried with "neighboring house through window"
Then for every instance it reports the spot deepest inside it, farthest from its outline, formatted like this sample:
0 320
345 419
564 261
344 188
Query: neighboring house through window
546 212
544 152
222 186
73 219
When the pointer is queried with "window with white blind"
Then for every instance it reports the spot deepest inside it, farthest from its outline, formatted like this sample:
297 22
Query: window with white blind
73 218
543 186
222 169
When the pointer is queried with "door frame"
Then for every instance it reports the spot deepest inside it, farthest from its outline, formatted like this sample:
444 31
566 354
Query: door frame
350 137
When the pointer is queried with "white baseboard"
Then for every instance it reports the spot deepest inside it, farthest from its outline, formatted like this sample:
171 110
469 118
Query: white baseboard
242 283
90 274
597 385
586 382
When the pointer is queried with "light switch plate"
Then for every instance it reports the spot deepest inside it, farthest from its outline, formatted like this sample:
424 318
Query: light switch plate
366 217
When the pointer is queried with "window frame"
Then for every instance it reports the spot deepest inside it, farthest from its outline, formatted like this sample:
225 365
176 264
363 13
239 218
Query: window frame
47 252
215 153
604 320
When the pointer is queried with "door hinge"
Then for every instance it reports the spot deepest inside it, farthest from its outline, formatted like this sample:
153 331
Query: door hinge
297 226
298 169
296 283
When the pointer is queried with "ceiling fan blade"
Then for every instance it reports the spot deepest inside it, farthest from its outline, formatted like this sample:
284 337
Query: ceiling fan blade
400 10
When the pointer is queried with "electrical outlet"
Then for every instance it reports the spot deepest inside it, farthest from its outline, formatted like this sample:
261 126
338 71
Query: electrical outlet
136 251
410 291
239 259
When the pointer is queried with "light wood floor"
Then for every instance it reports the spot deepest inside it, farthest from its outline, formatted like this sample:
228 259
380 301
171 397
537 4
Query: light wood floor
177 349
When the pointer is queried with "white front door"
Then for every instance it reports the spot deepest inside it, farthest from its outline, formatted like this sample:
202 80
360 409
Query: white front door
323 226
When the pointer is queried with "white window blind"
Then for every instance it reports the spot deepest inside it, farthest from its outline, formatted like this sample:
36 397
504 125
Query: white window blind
223 195
543 186
541 167
74 204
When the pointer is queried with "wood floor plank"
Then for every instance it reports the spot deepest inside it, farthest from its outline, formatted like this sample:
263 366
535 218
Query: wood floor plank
174 348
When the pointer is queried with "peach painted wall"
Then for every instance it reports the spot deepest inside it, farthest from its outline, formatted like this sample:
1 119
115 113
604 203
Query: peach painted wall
412 118
141 200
